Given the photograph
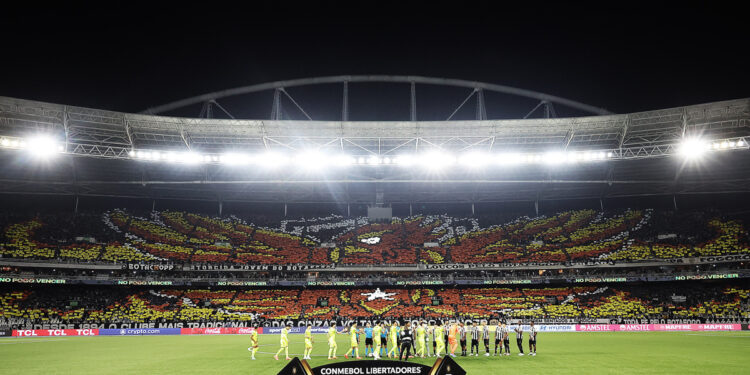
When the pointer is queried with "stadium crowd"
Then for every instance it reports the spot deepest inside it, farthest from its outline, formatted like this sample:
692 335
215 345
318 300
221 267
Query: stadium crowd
185 237
88 304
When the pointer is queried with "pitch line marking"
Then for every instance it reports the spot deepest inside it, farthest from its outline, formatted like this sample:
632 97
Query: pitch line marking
302 342
22 341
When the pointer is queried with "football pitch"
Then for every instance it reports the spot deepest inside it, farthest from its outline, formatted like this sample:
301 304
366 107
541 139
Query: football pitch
558 353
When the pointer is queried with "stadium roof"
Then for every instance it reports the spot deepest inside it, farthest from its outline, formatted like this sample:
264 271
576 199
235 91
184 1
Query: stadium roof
642 149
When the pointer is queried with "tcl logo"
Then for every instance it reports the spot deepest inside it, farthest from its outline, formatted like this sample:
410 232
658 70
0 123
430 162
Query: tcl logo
56 332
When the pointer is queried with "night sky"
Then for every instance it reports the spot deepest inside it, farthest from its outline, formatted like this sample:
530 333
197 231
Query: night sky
129 59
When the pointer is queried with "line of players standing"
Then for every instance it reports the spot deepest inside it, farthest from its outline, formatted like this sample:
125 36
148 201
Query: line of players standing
407 338
482 332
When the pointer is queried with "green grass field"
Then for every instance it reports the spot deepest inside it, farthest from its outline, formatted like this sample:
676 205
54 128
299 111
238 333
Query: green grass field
559 353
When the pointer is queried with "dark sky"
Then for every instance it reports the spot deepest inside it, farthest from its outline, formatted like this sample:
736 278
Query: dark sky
618 58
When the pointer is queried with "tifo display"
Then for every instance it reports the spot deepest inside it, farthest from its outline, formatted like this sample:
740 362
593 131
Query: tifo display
570 236
20 307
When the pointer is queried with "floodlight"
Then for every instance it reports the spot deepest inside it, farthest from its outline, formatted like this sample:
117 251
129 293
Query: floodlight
5 142
427 159
555 157
436 160
190 158
42 146
131 153
234 159
590 156
740 143
571 157
448 159
311 160
373 160
404 160
509 158
343 160
692 148
272 160
474 160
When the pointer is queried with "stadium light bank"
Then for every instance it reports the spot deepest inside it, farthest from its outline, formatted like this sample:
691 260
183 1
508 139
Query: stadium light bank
38 146
695 147
691 148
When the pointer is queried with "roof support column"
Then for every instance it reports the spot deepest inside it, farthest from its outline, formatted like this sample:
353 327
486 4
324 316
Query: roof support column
481 109
345 103
413 102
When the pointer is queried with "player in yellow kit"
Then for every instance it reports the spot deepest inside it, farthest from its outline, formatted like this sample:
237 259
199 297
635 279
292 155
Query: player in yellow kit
353 331
376 331
393 339
284 343
308 342
439 339
421 331
332 342
253 343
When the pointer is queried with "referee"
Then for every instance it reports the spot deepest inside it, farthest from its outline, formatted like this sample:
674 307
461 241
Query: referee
407 336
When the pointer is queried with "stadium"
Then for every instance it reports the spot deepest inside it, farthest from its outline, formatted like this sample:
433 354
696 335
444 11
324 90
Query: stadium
203 226
254 193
